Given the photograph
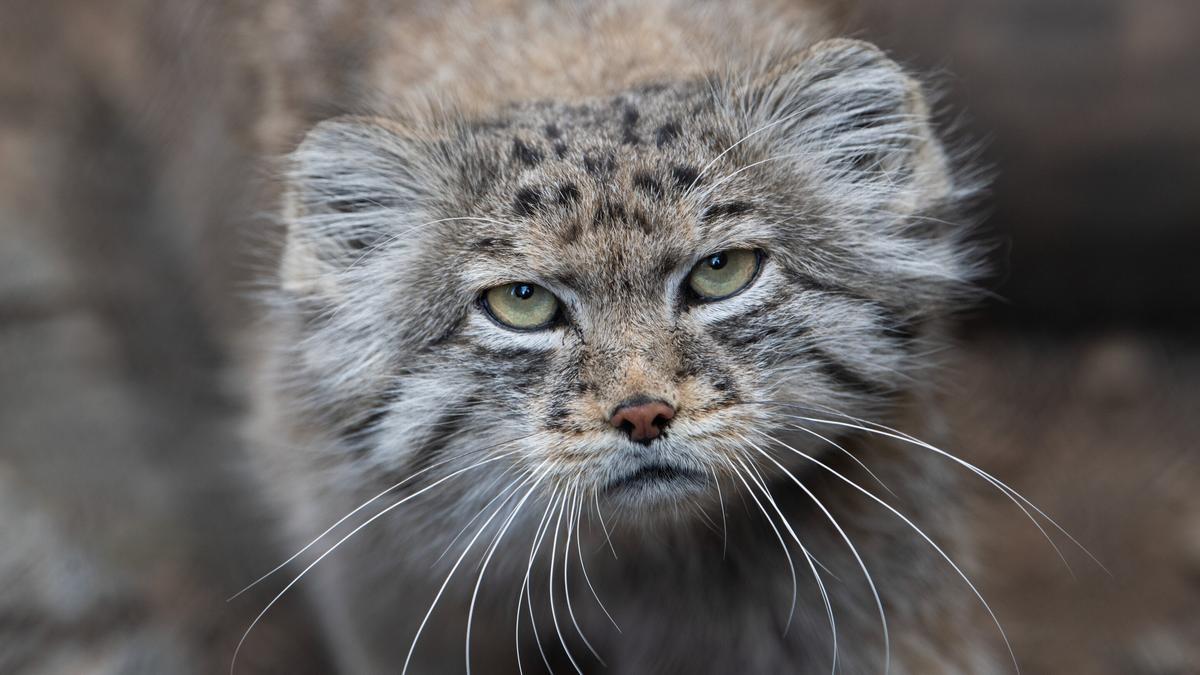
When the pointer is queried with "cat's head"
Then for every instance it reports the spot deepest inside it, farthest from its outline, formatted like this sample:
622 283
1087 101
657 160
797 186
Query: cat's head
630 294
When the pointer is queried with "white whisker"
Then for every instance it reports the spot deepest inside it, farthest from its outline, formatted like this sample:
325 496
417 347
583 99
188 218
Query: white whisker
887 643
924 536
553 558
807 556
573 528
442 589
331 549
523 590
362 506
1019 500
779 536
488 559
586 578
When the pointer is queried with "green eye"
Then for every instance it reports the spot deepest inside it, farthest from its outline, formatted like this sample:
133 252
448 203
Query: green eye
522 306
723 274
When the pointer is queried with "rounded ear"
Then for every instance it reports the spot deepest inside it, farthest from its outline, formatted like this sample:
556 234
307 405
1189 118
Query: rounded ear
844 109
352 182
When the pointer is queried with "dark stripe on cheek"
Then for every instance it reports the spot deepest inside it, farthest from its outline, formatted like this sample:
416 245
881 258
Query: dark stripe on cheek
367 423
530 358
844 377
439 434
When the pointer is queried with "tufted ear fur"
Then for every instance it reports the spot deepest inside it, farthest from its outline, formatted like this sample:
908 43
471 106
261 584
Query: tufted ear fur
844 111
352 182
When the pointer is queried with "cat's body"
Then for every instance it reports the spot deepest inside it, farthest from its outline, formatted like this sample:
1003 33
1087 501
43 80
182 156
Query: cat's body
599 150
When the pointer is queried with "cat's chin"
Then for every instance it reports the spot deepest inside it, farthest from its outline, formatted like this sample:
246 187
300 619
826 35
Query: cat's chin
655 484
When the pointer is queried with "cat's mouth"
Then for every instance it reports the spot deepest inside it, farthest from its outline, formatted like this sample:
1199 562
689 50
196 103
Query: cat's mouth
656 475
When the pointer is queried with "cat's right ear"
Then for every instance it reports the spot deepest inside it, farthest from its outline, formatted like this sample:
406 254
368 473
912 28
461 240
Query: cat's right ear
352 183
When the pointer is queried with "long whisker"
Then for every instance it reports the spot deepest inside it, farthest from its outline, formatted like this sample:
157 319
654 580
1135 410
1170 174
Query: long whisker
782 544
441 590
1009 493
807 556
849 454
364 505
724 522
479 515
523 590
553 558
488 559
1016 497
596 500
586 578
334 547
573 528
924 536
887 643
747 137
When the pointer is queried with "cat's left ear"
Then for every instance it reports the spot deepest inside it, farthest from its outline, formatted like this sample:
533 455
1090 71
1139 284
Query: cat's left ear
352 183
846 112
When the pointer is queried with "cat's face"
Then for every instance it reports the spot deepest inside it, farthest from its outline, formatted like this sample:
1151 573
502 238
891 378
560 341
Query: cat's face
621 295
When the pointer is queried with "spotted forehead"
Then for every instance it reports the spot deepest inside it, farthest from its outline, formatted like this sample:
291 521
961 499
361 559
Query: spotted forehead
603 186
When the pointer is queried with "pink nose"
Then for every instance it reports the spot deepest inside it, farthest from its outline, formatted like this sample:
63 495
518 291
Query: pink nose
642 419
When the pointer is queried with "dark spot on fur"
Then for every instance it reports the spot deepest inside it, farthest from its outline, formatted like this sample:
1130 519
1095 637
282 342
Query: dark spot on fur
599 164
639 220
667 133
527 201
529 358
684 176
560 149
609 212
629 120
526 154
568 193
648 184
552 131
726 209
571 233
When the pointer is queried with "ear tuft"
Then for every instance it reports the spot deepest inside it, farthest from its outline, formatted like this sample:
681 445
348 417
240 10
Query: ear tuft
846 105
351 183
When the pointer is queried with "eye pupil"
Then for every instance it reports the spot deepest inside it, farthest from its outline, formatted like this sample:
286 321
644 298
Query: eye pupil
717 261
523 291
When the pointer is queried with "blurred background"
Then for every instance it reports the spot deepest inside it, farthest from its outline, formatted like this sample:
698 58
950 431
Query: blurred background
124 206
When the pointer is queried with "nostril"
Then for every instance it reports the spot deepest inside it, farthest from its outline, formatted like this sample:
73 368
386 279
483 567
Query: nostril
642 419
